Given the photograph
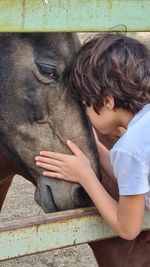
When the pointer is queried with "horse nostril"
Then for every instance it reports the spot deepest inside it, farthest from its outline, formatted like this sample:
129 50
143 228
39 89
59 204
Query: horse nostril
80 197
44 198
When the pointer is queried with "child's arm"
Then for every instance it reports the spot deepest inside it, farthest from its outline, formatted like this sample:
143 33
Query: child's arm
104 153
105 163
125 217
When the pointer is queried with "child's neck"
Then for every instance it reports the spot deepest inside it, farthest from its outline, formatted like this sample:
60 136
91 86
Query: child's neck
125 117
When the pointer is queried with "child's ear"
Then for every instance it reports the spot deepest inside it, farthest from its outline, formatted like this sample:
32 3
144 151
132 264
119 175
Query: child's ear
109 102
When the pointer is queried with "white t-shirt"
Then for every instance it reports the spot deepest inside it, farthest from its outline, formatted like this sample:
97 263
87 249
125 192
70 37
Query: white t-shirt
130 157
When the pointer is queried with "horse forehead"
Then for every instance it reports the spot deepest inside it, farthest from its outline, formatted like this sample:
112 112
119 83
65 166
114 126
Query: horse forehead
58 42
22 53
25 52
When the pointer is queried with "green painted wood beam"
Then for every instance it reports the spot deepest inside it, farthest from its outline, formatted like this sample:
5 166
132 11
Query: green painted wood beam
57 230
73 15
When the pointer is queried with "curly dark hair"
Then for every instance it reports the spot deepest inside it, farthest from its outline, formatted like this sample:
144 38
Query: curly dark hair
112 64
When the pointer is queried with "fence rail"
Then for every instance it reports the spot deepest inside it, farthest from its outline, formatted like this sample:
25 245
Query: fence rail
77 15
52 231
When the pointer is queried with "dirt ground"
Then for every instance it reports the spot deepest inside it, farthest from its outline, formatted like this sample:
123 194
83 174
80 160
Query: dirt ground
20 204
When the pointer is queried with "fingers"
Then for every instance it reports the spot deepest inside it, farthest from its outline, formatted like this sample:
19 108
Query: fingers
74 148
53 175
48 166
62 157
53 155
48 160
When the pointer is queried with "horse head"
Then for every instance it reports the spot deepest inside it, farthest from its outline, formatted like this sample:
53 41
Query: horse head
37 111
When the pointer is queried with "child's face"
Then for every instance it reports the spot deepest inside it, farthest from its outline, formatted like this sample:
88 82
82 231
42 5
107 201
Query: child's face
106 121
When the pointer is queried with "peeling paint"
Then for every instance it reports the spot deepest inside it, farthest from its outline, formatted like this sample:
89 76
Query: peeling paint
46 1
79 15
110 4
56 230
23 13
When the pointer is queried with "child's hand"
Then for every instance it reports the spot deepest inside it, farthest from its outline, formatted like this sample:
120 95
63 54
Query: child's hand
74 168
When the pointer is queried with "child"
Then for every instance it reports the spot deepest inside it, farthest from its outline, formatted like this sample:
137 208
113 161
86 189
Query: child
111 76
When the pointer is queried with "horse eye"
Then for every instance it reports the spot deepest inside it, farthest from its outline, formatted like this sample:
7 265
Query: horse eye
47 71
51 74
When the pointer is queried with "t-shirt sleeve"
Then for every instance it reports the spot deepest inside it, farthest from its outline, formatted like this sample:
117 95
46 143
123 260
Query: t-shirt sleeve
131 173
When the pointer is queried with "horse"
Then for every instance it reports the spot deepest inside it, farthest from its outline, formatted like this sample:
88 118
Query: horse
38 111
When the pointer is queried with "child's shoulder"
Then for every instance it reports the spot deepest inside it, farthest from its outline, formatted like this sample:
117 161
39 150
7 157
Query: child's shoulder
141 119
136 139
